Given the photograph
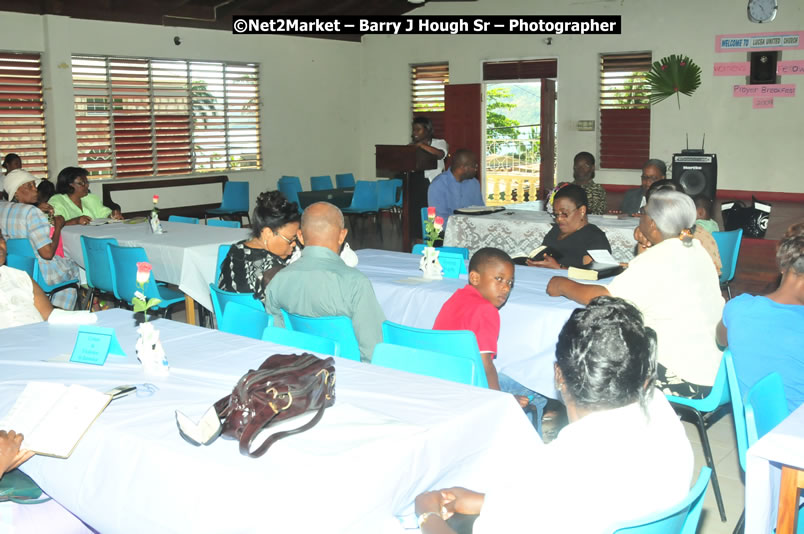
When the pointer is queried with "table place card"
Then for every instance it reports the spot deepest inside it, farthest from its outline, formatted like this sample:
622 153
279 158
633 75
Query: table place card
93 344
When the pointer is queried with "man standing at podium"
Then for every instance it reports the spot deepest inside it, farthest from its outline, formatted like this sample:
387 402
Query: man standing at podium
423 138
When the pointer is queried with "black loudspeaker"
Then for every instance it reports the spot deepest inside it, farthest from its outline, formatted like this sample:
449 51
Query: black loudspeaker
696 173
763 67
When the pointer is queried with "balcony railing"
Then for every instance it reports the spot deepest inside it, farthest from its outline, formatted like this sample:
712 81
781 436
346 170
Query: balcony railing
512 166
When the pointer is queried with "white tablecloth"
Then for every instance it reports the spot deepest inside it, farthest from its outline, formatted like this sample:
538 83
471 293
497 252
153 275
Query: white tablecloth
529 322
390 436
519 231
782 445
184 255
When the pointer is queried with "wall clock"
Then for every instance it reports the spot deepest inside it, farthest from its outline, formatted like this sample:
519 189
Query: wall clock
762 10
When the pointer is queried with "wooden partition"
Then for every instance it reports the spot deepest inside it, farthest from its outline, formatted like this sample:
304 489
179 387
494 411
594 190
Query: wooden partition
154 185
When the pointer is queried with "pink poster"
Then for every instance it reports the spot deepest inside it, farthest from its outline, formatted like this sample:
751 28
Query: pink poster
785 89
763 102
752 42
740 68
783 68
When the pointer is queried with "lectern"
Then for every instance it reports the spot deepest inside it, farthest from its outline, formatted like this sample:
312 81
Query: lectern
410 161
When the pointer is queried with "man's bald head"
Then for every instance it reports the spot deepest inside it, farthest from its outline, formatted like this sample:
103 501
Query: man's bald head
322 226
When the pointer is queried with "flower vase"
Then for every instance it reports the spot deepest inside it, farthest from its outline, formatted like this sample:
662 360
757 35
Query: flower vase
429 264
150 352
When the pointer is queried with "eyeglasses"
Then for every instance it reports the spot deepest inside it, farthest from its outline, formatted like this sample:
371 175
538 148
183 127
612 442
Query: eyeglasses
81 182
288 241
652 178
557 215
501 280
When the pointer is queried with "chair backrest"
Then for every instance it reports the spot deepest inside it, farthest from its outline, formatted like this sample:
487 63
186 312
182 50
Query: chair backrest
397 191
765 406
337 328
20 246
182 219
424 220
461 343
235 196
290 186
682 518
96 262
244 320
225 224
23 263
346 179
300 340
425 362
221 300
719 395
737 408
320 183
386 194
365 196
419 247
223 250
728 246
123 267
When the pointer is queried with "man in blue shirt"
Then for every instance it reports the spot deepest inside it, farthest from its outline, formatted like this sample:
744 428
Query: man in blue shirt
457 187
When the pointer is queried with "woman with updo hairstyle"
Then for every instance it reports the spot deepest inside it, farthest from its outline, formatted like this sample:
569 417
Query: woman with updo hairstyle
624 444
676 287
571 236
250 264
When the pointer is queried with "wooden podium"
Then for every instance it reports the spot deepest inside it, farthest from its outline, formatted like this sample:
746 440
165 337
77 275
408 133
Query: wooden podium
410 161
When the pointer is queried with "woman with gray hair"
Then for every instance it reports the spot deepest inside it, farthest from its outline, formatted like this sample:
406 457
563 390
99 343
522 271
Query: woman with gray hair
675 285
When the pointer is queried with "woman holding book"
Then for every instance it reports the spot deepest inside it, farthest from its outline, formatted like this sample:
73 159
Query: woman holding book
75 203
675 285
571 236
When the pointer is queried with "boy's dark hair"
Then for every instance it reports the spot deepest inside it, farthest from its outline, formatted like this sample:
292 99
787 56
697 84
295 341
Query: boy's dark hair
585 156
426 123
11 158
486 255
661 185
575 193
705 203
46 190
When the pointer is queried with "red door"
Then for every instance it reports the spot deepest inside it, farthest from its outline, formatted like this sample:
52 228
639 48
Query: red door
547 146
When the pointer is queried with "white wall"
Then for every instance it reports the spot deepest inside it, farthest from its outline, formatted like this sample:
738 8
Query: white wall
309 90
757 149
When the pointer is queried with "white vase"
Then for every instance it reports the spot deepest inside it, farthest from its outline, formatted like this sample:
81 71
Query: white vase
429 264
150 352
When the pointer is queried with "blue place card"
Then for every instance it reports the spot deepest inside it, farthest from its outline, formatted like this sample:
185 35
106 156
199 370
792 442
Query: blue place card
93 344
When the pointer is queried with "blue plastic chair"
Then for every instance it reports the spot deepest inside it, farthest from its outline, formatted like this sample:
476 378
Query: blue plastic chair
300 340
461 343
223 223
365 203
22 247
338 329
682 518
97 266
398 191
464 252
223 250
425 362
221 300
728 246
344 180
123 262
290 186
320 183
386 194
235 201
765 406
182 219
23 263
244 320
704 413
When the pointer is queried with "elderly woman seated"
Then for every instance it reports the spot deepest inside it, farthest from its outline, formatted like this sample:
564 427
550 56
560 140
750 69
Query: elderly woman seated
21 219
250 264
764 333
624 447
75 203
676 287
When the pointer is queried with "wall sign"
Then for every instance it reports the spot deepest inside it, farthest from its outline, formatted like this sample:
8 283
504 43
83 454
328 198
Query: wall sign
763 102
770 90
757 42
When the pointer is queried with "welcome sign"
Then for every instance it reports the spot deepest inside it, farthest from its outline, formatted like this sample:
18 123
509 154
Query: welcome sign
754 42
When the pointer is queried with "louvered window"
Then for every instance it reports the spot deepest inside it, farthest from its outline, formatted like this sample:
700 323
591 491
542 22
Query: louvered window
148 117
624 110
427 93
524 69
22 112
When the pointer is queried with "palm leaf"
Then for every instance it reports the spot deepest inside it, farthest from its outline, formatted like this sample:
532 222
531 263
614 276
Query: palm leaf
673 75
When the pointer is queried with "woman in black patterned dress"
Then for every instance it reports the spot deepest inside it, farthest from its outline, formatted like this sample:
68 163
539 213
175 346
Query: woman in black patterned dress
250 264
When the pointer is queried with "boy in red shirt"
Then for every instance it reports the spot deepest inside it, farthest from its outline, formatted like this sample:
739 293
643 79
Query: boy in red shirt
475 307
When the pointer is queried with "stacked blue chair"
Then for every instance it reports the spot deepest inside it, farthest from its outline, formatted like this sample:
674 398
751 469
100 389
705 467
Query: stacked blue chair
97 266
244 321
182 219
728 246
460 343
221 300
320 183
682 518
425 362
235 201
22 247
123 262
365 202
338 329
704 413
290 186
224 224
397 193
386 190
345 180
300 340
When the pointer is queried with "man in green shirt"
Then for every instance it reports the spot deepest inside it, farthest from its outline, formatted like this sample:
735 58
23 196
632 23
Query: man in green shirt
320 284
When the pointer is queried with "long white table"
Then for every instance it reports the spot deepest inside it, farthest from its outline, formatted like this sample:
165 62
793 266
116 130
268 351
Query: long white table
529 322
390 436
184 255
519 231
784 445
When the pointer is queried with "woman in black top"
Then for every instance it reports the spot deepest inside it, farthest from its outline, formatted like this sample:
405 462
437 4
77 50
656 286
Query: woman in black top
572 235
250 264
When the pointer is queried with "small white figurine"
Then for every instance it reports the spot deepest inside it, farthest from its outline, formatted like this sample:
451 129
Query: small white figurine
348 256
429 264
150 352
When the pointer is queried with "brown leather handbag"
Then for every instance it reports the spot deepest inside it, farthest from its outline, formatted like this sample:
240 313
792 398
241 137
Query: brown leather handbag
285 385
